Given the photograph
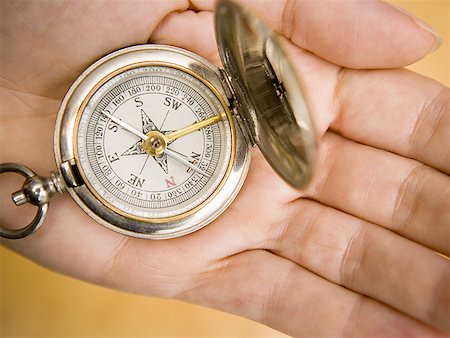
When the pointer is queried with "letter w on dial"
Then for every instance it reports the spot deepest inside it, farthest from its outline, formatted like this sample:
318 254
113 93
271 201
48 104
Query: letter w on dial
137 149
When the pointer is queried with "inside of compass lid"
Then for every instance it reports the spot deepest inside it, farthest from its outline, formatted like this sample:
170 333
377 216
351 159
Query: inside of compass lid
268 94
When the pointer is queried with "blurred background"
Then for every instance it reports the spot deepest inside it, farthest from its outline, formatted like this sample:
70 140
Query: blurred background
59 306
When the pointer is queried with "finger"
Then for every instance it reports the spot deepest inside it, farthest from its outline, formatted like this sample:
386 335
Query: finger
399 111
190 30
355 34
398 193
367 259
46 45
266 288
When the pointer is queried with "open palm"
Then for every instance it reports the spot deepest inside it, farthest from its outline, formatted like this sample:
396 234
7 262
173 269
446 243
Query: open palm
352 255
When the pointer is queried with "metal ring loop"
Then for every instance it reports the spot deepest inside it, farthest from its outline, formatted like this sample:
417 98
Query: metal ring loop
42 209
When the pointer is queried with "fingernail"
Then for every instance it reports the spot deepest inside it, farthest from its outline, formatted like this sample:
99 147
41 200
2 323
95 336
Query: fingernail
438 40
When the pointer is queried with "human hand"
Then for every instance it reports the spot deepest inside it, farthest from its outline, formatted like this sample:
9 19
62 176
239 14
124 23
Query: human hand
318 262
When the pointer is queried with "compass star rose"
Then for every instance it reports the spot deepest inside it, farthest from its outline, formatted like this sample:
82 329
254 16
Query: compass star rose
137 149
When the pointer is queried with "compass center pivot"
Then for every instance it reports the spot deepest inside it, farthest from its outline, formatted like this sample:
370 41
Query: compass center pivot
155 144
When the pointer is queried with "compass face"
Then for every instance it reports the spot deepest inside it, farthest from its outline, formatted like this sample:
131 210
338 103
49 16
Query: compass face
114 158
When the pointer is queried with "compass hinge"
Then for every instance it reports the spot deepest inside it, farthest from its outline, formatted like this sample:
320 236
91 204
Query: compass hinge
227 86
274 78
279 87
70 173
235 107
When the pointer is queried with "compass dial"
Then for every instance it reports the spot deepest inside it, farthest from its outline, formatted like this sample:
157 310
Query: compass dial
140 150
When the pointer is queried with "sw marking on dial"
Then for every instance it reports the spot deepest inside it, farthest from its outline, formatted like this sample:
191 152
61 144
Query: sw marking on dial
153 100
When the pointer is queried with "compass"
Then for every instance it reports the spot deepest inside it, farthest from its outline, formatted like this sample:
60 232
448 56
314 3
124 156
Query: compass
153 141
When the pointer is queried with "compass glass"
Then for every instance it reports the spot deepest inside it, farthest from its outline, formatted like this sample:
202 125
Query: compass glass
173 171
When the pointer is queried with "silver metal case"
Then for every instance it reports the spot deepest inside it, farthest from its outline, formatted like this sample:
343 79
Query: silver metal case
65 153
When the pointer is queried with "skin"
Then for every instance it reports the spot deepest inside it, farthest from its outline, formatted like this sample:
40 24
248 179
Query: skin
353 255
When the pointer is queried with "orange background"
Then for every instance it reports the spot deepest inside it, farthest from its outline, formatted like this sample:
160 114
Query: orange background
36 302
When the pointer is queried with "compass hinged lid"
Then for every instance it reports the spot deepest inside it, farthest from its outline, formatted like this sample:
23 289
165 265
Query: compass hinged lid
268 94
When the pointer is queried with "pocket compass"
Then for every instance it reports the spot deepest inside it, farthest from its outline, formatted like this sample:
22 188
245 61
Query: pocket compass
153 141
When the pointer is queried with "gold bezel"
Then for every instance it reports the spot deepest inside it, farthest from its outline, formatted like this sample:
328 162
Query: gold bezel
229 118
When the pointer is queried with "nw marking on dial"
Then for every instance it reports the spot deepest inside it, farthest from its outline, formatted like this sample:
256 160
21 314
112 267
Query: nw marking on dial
195 160
137 149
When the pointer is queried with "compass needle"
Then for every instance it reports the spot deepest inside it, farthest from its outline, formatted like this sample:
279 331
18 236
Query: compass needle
125 126
182 160
194 127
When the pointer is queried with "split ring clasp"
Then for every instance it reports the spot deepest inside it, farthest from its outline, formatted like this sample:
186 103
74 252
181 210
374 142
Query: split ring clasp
36 190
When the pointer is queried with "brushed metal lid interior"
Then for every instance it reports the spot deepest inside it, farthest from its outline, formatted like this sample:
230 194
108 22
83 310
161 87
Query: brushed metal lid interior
269 95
